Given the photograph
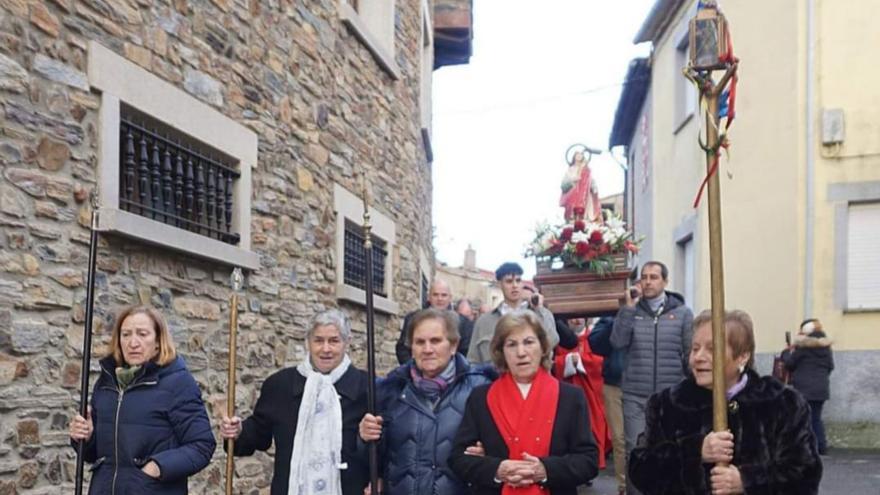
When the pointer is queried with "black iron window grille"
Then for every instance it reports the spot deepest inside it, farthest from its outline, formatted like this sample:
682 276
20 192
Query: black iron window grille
171 179
355 262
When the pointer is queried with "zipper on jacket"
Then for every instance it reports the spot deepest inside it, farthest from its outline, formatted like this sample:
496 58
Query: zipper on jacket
656 351
116 442
116 431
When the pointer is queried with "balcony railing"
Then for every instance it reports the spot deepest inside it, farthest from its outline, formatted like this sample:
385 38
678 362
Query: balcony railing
170 181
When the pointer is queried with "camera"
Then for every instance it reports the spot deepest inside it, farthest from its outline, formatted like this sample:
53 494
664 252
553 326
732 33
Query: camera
633 293
535 300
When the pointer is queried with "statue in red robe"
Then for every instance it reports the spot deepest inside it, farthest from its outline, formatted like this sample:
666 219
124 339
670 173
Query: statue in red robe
582 368
580 194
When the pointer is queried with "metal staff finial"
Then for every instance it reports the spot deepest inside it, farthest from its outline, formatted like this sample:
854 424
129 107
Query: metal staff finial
368 242
236 280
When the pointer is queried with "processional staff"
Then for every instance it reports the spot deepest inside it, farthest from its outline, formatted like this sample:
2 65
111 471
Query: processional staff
236 280
373 447
87 338
711 49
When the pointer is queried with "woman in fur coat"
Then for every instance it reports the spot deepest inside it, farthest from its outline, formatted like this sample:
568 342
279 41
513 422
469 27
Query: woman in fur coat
769 446
810 362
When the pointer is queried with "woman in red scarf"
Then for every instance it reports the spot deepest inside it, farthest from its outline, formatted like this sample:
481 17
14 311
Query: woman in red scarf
535 431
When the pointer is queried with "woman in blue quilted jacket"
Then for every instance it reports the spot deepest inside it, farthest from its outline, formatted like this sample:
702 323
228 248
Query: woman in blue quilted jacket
147 429
421 405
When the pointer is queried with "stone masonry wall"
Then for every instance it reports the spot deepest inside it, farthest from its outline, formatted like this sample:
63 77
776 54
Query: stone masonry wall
321 106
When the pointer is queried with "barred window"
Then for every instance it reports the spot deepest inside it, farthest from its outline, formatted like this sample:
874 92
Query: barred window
356 260
174 171
351 265
170 178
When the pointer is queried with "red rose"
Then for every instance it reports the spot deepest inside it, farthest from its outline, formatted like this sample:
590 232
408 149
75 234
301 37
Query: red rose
566 234
596 237
581 248
604 249
580 225
591 253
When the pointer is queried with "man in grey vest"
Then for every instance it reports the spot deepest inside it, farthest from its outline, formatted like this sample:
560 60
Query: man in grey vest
655 329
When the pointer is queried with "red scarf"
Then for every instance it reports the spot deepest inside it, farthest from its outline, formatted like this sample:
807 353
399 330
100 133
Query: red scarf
526 425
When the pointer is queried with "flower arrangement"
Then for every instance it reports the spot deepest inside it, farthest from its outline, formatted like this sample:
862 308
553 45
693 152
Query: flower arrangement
584 244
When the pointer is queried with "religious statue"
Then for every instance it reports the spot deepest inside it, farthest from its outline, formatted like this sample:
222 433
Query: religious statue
580 194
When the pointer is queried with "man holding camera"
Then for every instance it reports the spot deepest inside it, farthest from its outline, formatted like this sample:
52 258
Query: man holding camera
509 277
654 328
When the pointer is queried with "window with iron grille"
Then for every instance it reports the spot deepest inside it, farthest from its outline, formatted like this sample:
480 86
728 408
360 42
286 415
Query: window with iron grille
350 255
173 171
355 261
172 179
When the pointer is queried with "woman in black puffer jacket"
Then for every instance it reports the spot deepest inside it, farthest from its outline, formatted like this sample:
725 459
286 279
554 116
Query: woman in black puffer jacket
810 361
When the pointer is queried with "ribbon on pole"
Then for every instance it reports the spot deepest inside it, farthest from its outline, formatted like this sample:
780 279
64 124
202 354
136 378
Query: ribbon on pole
87 338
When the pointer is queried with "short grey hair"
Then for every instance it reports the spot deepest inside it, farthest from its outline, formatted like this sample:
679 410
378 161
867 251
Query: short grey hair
332 317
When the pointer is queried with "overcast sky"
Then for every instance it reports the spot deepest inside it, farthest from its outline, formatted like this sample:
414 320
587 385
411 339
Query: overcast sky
543 75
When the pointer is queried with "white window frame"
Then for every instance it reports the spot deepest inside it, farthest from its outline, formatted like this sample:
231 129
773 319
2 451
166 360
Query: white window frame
686 99
121 81
373 24
350 207
427 61
844 196
863 257
685 235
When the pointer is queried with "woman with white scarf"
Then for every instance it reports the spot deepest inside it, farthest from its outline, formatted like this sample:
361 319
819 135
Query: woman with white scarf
311 412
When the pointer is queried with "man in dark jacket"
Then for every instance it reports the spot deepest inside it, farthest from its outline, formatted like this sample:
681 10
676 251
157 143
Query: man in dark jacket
439 297
284 411
811 361
654 328
612 374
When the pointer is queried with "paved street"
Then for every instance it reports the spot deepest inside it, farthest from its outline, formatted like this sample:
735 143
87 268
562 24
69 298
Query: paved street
846 472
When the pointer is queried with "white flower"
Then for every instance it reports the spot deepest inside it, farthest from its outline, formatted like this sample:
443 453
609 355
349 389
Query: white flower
577 237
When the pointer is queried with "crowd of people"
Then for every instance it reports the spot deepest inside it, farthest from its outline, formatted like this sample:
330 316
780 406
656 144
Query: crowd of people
510 401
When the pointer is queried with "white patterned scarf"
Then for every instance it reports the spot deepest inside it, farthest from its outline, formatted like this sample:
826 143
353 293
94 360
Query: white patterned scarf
317 445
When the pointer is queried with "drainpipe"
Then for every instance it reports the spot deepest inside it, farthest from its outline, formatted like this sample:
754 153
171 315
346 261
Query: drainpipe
809 215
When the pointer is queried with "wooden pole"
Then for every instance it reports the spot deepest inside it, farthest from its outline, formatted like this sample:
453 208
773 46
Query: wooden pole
716 265
236 280
710 91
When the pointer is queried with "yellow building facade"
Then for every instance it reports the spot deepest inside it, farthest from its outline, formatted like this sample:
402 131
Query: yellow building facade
800 187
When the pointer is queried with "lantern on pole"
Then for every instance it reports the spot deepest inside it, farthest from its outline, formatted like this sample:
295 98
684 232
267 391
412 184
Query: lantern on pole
711 49
708 38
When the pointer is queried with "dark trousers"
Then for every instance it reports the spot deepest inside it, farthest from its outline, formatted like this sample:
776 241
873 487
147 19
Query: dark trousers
818 426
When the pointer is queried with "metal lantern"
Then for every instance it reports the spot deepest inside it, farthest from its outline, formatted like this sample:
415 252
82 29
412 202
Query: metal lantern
708 38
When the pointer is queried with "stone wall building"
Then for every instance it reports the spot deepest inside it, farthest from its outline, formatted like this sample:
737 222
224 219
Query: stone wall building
217 133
